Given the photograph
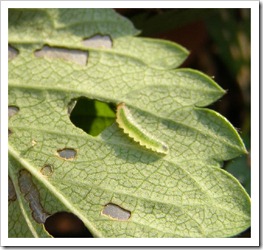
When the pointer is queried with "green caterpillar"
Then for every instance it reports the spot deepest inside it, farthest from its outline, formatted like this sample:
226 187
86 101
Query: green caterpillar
137 133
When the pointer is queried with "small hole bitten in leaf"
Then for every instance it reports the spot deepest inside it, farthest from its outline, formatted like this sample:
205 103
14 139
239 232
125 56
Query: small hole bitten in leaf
92 116
77 56
11 190
98 41
116 212
12 110
67 153
31 194
12 52
64 224
47 170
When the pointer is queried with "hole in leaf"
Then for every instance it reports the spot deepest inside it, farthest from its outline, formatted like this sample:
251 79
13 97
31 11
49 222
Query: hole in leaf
11 190
12 110
98 41
31 194
9 132
64 224
47 170
116 212
67 153
92 116
77 56
12 52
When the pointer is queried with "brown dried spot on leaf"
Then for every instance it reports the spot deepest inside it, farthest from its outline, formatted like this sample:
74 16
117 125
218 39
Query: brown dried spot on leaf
31 194
98 41
67 153
47 170
12 52
77 56
116 212
12 110
11 190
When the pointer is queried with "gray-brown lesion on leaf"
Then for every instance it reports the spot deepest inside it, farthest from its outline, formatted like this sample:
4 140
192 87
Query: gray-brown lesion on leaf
116 212
9 132
12 52
12 110
31 194
47 170
67 153
98 42
76 56
11 190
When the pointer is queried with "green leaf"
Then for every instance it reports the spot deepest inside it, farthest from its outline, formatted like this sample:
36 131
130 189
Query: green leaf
115 186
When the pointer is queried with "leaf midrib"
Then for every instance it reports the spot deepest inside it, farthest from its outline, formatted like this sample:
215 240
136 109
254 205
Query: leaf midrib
101 97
